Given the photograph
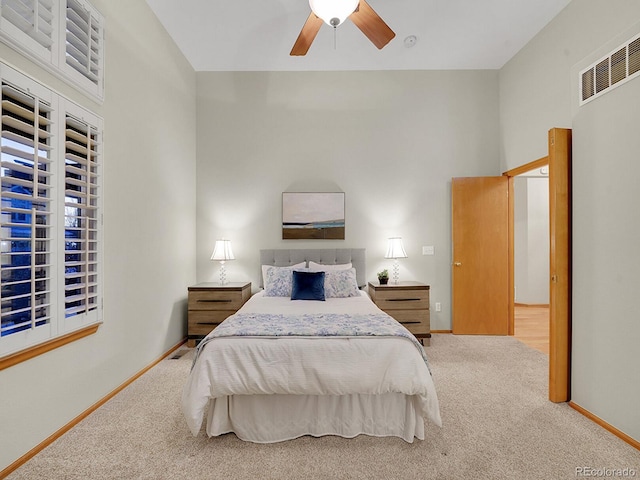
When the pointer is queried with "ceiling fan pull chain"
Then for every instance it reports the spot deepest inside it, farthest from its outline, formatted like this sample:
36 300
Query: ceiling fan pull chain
334 37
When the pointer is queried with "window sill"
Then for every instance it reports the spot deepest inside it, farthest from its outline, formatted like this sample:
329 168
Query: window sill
31 352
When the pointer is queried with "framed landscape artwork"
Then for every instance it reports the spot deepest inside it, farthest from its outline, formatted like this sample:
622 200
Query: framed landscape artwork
313 215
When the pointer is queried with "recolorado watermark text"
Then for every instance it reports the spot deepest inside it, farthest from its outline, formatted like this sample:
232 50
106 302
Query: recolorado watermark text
606 472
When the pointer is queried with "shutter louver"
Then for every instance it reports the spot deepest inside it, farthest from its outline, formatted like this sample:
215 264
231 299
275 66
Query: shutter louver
84 39
26 216
33 17
81 218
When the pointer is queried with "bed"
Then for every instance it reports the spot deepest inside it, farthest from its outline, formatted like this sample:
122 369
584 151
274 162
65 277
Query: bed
286 366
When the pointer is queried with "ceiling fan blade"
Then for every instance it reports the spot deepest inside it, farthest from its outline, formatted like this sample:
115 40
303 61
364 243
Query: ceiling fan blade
307 34
370 23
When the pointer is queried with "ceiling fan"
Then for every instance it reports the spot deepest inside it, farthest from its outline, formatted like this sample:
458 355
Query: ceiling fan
334 13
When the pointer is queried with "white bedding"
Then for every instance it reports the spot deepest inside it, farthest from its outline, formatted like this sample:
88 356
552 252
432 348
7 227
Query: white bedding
266 373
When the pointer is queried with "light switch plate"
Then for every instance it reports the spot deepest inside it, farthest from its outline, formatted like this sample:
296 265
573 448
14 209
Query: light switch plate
428 250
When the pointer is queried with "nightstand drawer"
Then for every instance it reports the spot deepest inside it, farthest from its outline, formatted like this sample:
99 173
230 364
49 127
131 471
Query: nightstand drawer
215 300
208 317
202 322
402 299
410 317
418 329
403 302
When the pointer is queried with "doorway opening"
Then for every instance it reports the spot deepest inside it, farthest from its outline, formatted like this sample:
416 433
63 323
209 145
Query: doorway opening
559 164
531 258
482 247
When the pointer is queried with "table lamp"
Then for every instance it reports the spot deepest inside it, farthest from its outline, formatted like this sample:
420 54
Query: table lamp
222 252
395 250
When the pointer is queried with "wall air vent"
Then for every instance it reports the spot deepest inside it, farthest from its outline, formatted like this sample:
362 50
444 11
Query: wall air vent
612 70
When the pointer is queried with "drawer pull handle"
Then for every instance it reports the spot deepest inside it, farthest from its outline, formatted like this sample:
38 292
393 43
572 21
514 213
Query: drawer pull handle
403 299
214 301
208 323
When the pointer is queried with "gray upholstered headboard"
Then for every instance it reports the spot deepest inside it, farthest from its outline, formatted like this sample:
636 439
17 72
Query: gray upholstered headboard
327 256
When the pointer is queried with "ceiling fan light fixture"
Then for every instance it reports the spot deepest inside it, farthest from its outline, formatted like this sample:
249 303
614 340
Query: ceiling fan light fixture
333 12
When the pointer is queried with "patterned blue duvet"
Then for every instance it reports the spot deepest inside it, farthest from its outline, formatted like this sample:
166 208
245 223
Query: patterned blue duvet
311 325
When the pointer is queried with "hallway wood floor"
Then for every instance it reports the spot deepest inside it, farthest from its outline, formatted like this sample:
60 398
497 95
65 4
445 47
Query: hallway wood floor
531 326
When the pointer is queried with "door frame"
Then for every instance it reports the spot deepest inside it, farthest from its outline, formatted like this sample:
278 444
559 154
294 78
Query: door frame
559 162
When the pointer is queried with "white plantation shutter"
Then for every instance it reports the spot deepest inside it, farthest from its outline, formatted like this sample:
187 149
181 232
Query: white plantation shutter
81 221
31 26
66 37
26 223
33 17
50 217
84 41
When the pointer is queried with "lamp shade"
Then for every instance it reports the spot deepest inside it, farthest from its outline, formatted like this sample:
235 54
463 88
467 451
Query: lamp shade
333 12
395 249
222 251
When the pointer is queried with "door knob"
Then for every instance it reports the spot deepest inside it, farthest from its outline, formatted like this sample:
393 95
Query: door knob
457 264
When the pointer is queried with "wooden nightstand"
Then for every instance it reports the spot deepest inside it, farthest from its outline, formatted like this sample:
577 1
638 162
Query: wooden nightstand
408 303
210 304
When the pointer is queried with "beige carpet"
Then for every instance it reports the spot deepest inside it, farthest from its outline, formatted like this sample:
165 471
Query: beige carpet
497 425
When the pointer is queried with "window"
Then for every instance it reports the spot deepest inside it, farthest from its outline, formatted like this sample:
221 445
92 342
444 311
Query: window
81 222
84 45
26 211
30 25
64 36
50 232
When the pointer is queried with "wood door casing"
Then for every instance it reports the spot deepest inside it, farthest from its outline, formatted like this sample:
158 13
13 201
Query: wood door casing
480 270
560 264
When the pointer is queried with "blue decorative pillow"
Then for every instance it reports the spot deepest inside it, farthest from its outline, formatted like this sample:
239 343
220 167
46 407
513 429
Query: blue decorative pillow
308 286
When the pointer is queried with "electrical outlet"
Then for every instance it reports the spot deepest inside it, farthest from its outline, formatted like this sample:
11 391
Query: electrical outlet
438 307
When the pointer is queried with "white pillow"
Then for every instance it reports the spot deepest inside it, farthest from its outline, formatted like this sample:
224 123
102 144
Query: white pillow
318 267
341 284
264 270
277 281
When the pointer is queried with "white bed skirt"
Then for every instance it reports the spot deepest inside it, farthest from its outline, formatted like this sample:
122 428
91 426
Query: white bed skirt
276 418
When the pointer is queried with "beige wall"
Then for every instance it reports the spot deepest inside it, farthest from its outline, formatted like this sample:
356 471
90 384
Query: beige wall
535 85
390 140
149 226
538 91
606 331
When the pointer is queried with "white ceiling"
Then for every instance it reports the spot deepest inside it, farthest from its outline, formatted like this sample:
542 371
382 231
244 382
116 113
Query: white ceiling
241 35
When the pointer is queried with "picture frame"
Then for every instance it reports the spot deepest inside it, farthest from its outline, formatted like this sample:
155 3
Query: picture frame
313 216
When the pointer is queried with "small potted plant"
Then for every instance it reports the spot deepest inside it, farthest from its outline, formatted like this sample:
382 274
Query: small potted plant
383 277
